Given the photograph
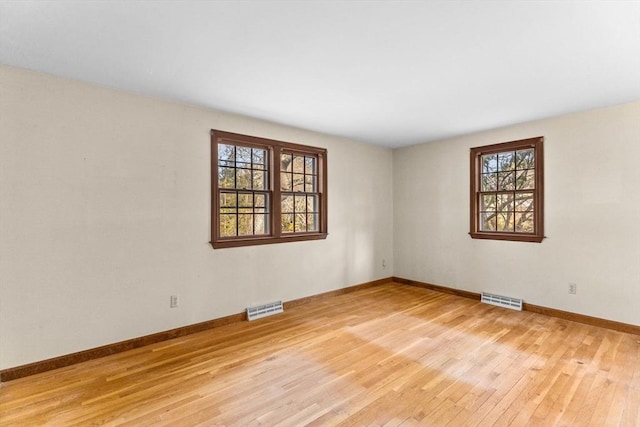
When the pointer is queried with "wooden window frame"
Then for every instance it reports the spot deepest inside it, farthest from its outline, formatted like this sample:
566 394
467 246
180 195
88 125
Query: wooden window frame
538 192
274 149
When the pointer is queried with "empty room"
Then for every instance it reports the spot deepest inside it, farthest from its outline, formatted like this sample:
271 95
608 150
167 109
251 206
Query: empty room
325 213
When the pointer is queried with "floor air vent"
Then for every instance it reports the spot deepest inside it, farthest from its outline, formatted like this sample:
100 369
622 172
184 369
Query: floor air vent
500 301
254 313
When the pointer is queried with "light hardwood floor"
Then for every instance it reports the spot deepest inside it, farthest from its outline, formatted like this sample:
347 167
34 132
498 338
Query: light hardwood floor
391 355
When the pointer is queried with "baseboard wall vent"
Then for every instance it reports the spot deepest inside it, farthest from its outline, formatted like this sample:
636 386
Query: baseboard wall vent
260 311
501 301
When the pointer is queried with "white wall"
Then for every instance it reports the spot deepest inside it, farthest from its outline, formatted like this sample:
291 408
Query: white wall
104 213
592 217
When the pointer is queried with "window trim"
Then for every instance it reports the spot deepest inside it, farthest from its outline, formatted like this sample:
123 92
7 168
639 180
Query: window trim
538 199
274 149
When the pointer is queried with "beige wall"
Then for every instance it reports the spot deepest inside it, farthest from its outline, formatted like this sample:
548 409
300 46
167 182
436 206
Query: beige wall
104 213
592 217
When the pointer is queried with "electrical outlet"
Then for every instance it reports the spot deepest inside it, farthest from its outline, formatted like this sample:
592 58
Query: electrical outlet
173 302
573 288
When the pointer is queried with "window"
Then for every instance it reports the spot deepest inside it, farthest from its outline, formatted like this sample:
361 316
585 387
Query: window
507 191
266 191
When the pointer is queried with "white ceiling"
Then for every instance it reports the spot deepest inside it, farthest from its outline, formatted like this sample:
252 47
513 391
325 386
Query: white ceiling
391 73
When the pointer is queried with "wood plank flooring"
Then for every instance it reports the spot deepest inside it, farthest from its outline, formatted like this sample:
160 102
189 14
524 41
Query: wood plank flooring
391 355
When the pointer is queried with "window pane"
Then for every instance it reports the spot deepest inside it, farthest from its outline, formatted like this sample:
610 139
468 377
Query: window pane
286 161
489 163
506 181
488 203
310 183
226 177
259 157
287 204
298 182
524 222
505 202
309 165
259 180
261 224
298 164
301 203
285 182
287 223
245 225
524 202
525 180
243 178
525 159
312 203
488 221
489 182
228 200
312 222
227 225
245 200
301 222
260 201
243 156
505 221
506 161
226 154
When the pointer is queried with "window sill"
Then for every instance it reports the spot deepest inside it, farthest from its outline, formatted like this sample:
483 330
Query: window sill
514 237
239 242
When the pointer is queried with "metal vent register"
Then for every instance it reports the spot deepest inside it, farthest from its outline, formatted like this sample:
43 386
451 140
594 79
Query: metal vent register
264 310
502 301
